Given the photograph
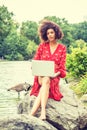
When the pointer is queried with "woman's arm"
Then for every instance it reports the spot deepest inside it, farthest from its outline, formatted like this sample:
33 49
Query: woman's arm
56 74
62 65
38 53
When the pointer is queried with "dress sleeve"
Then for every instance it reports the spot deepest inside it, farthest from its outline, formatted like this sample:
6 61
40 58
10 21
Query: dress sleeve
38 53
62 66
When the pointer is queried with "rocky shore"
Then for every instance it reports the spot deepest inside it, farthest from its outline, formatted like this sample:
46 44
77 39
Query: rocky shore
68 114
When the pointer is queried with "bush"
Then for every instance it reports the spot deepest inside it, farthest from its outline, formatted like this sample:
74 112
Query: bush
81 87
77 61
14 56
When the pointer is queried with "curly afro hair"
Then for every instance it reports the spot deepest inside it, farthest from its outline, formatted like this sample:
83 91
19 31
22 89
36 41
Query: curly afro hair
45 25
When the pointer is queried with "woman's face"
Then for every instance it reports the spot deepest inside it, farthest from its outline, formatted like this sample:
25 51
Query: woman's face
51 35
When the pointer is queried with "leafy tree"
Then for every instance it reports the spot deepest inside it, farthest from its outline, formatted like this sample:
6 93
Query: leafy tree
22 46
78 43
10 48
79 31
5 27
31 49
29 29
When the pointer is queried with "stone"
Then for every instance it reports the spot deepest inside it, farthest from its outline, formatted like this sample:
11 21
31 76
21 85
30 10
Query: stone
24 122
84 98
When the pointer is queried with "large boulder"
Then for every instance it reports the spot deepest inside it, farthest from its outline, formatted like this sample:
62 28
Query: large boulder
24 122
67 114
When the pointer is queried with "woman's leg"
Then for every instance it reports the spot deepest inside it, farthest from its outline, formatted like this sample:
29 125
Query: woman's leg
44 96
37 102
36 105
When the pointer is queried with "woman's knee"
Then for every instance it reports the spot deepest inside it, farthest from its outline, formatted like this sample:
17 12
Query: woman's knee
46 81
40 80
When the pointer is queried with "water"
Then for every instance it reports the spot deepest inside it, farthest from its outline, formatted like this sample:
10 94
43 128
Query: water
11 74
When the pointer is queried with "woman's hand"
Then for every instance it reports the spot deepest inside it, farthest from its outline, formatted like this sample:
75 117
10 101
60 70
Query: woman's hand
55 75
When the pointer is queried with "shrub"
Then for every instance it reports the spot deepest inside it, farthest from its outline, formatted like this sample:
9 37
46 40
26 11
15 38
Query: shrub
14 56
81 87
77 61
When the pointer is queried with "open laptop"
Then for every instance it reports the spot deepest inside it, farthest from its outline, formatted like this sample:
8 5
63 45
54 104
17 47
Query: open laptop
42 68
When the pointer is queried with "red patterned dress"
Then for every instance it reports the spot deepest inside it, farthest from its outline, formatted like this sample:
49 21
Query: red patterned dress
59 58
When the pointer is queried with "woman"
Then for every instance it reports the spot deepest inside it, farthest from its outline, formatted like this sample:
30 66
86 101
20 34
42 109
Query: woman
49 49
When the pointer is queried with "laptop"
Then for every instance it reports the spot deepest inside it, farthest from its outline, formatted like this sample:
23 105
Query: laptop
42 68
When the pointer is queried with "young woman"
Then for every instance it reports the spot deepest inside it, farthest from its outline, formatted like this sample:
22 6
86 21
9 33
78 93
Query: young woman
49 49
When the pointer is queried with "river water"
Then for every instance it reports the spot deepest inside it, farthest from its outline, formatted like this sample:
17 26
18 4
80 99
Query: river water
11 74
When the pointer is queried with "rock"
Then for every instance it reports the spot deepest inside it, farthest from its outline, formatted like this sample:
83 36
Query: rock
67 114
84 98
24 122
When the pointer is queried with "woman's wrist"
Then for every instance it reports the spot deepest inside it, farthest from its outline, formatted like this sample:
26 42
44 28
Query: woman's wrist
58 73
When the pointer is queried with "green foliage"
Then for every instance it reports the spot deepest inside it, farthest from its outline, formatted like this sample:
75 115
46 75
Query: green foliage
80 31
14 56
22 46
77 60
29 29
10 49
5 27
81 87
31 49
5 21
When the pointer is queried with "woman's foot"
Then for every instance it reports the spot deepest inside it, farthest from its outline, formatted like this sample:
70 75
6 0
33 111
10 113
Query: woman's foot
43 116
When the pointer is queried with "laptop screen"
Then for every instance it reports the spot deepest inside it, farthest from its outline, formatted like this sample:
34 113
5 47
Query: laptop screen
42 68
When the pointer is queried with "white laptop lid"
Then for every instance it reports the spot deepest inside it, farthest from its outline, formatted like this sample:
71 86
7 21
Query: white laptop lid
42 68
